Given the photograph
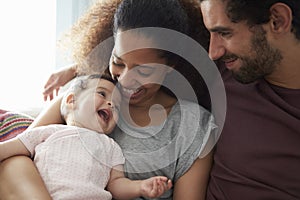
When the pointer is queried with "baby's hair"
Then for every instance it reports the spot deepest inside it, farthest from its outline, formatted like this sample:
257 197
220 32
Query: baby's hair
80 83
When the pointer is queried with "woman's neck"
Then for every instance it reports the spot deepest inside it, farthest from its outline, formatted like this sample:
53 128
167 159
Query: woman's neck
151 113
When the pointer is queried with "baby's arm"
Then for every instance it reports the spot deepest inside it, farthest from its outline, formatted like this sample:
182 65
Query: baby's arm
124 188
25 143
19 178
11 148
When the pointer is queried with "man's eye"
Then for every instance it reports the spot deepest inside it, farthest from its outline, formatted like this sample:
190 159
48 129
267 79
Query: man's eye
225 34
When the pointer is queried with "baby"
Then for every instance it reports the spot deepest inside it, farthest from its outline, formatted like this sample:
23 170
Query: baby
78 160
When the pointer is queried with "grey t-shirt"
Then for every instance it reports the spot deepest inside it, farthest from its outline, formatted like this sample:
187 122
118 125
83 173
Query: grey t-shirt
169 149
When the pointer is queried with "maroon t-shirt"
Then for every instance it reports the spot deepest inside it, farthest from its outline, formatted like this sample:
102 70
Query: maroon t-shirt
258 154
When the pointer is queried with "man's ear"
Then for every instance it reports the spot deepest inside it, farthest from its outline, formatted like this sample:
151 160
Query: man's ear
281 18
70 101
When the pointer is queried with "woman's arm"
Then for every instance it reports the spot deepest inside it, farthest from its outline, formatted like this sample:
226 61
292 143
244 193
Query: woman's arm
193 184
11 148
57 80
51 115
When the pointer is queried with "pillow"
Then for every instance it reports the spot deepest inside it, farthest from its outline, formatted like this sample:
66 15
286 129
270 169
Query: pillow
12 124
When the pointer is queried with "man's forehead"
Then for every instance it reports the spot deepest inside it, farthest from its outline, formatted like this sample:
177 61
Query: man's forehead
214 14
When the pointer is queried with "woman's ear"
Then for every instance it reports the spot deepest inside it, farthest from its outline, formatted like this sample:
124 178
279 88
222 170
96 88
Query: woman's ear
281 18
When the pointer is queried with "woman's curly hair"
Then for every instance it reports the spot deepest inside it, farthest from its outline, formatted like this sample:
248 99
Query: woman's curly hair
197 29
93 28
90 41
199 33
96 26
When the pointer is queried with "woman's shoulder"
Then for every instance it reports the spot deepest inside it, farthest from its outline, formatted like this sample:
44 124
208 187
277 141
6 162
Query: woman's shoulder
190 107
190 112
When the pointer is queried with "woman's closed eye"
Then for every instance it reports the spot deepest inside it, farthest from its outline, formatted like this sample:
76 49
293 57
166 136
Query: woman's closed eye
117 64
144 70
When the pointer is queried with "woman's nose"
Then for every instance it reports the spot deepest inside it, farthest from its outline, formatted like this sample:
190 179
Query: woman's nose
127 77
115 73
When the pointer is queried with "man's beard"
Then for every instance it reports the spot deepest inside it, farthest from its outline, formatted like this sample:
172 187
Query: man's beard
264 61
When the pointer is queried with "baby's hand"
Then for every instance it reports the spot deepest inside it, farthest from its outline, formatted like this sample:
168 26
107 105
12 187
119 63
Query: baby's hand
154 187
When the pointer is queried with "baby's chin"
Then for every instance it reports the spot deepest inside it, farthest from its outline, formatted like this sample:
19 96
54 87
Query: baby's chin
107 130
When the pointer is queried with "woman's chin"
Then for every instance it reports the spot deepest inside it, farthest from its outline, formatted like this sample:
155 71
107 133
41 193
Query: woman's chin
135 97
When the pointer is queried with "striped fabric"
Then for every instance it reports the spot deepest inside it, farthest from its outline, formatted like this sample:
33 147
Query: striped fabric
12 124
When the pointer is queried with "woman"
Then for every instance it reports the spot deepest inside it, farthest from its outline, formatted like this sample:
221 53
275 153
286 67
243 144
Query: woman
156 132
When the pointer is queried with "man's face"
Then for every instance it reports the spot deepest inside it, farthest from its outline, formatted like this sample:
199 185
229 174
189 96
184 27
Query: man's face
247 53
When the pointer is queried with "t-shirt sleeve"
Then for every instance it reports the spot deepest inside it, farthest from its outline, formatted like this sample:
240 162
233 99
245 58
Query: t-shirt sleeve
199 126
33 137
211 135
117 155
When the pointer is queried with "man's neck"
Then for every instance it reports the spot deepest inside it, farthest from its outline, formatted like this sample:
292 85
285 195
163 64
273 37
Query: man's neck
287 74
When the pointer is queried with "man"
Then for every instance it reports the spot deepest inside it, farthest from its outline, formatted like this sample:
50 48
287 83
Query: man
258 43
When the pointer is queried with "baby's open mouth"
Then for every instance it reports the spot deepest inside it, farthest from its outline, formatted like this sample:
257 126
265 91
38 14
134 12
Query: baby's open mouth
104 114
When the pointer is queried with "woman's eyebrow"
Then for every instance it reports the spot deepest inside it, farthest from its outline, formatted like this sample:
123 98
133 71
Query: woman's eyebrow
146 66
115 55
135 65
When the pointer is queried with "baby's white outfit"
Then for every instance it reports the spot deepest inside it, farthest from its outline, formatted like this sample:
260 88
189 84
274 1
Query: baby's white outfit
75 163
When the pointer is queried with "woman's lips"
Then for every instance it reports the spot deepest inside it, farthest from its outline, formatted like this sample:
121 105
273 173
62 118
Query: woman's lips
131 93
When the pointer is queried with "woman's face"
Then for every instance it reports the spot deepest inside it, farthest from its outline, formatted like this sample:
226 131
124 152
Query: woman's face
140 72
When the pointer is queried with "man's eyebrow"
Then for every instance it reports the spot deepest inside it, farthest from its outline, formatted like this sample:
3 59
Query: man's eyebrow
220 29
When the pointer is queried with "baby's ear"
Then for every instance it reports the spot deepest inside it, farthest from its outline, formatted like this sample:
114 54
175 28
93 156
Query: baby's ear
70 101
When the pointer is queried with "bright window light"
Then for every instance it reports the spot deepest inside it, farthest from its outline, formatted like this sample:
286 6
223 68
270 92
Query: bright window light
27 44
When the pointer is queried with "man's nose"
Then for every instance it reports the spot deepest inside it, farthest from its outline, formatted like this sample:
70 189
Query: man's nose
216 47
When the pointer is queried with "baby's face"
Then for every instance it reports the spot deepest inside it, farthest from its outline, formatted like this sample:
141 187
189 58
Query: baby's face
97 106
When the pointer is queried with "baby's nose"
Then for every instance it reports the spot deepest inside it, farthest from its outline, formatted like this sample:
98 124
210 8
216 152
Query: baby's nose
110 104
